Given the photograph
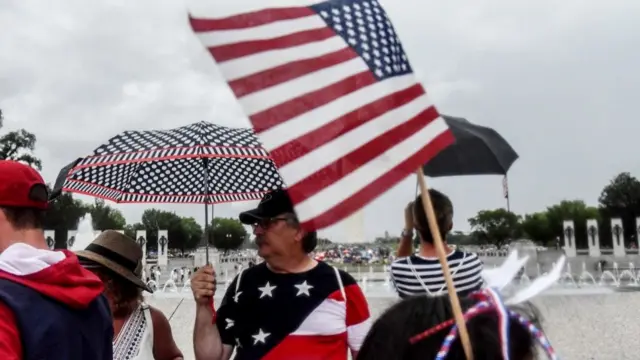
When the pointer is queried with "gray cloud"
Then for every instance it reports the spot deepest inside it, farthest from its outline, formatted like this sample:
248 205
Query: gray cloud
557 79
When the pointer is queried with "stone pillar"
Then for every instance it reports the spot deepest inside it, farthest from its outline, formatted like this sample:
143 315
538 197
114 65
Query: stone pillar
141 239
569 238
593 237
617 232
163 242
71 238
50 238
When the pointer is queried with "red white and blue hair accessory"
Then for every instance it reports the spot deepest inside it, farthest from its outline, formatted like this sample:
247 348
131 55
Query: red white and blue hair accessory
490 300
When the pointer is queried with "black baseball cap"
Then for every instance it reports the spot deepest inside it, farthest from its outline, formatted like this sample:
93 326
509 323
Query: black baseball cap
273 203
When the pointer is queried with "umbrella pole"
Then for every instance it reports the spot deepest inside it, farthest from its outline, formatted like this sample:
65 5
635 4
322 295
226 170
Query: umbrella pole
206 232
442 256
205 162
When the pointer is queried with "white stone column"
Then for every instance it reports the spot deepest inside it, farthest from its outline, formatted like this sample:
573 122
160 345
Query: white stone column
617 235
50 238
141 239
163 247
569 238
71 238
593 237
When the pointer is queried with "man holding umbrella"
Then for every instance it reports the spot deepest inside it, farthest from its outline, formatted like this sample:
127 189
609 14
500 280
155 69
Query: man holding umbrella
288 307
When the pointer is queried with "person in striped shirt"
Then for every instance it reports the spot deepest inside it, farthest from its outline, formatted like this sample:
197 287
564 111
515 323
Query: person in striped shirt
421 273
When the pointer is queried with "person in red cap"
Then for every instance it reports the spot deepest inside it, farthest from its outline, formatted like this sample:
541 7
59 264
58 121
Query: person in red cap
50 306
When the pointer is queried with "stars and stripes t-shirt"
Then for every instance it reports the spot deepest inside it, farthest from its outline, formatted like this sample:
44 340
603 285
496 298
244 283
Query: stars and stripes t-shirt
417 275
319 314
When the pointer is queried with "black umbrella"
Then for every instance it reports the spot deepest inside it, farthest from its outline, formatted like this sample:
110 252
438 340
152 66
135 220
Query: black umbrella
478 150
201 163
62 177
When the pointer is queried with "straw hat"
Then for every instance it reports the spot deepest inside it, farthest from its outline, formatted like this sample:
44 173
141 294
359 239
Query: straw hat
118 253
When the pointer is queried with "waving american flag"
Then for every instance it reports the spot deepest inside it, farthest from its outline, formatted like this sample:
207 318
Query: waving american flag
331 95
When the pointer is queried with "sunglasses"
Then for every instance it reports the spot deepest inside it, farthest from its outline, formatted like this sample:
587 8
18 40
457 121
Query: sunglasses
268 222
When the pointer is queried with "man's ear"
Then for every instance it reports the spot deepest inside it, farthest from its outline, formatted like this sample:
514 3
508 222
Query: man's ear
300 234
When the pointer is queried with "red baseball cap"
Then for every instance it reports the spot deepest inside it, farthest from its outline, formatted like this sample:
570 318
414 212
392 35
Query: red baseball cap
22 186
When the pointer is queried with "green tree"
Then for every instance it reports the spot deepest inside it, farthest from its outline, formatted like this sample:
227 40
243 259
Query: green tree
184 234
227 234
495 226
64 214
460 238
192 234
105 217
537 228
18 145
131 229
620 199
324 243
387 240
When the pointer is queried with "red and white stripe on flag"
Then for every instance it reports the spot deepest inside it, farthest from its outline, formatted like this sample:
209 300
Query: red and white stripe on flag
331 95
505 187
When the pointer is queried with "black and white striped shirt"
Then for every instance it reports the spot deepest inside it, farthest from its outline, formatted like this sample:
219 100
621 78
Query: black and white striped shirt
417 275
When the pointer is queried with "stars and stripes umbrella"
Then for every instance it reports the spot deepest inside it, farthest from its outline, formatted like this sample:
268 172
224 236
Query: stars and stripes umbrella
200 163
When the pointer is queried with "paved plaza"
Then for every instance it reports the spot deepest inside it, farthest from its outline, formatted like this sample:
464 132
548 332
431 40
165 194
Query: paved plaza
581 327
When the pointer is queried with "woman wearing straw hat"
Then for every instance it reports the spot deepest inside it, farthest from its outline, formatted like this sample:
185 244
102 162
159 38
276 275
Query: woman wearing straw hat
141 332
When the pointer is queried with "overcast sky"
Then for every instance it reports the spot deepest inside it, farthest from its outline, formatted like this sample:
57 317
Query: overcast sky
559 80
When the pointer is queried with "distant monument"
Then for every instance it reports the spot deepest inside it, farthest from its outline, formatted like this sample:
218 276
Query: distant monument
141 239
617 233
50 238
593 235
163 244
568 230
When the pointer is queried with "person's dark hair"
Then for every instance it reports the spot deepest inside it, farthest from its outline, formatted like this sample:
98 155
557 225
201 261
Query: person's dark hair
24 218
310 239
389 336
123 295
443 209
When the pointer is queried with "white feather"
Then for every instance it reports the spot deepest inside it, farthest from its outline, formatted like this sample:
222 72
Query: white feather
502 276
540 284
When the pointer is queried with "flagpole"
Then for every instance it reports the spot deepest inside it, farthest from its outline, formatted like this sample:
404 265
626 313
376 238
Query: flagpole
442 256
505 190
